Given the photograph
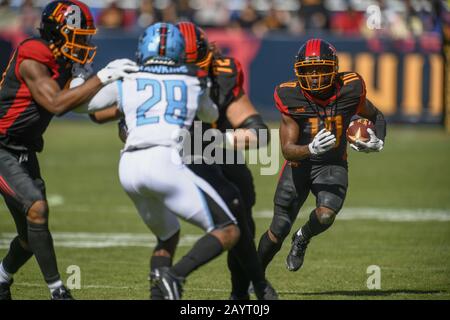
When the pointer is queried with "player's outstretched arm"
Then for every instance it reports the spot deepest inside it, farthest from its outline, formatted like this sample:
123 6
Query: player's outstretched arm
244 117
47 93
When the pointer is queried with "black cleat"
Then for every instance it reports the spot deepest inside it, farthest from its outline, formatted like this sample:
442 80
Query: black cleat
265 291
170 285
155 292
62 293
5 290
295 257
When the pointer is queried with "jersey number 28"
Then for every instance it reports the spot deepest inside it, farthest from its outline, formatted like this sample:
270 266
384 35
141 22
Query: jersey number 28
176 109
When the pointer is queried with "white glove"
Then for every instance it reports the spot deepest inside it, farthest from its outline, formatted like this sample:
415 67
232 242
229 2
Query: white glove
82 71
117 69
373 145
322 142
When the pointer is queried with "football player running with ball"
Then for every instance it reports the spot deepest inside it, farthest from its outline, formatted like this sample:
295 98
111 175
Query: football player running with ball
316 110
158 103
32 91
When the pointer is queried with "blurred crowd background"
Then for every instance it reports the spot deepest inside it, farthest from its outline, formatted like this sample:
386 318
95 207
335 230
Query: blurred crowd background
400 19
400 47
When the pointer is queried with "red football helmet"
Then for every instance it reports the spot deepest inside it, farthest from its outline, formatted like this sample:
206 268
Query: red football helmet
316 65
68 25
198 50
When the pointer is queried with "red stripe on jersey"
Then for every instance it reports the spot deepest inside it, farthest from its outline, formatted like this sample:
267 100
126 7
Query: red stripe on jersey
280 106
15 110
238 88
6 188
282 169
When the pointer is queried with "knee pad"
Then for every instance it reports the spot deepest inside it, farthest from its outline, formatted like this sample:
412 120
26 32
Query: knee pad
281 226
325 216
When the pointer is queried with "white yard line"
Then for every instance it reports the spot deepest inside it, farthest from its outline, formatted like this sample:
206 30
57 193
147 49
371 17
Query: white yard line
108 240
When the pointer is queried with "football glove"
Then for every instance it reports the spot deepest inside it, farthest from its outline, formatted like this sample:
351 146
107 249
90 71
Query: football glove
116 69
373 145
82 71
322 142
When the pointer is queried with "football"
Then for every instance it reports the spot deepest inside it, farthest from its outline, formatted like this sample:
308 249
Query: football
357 130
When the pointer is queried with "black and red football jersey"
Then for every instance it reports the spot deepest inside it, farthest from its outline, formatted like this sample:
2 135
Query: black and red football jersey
22 120
228 81
312 115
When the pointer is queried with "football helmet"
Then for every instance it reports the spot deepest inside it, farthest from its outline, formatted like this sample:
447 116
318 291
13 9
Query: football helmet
68 26
197 46
161 43
316 65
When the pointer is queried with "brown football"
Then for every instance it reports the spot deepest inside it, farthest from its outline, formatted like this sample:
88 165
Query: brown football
357 130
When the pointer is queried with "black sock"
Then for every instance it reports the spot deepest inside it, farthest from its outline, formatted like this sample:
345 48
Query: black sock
267 249
16 257
41 243
155 263
313 227
205 249
240 281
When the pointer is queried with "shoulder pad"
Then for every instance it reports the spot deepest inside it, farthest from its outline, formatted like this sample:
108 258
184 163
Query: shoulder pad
284 95
37 50
352 84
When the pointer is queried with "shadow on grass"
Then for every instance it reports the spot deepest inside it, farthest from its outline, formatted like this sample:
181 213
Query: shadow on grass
367 293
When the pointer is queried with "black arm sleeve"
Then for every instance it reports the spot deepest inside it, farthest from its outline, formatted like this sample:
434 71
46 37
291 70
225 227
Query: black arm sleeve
379 121
257 123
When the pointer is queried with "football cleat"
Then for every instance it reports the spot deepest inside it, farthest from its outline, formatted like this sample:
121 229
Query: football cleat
170 285
5 290
155 292
265 291
295 257
62 293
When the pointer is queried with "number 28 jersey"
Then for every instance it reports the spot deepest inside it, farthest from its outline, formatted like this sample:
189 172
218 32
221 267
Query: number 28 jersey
334 114
159 102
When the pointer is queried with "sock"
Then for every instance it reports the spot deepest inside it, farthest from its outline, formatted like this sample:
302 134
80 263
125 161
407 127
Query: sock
55 285
240 281
155 263
267 249
5 277
205 249
41 243
16 257
313 227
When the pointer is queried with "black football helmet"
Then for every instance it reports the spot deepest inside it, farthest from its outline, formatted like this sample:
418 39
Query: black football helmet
198 50
316 65
68 26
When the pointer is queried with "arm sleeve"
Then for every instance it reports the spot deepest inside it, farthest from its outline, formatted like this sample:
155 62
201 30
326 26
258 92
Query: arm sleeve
207 110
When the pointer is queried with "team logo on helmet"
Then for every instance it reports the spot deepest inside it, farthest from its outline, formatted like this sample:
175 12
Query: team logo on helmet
68 25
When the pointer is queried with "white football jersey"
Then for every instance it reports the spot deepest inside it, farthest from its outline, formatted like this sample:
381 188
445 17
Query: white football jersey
157 106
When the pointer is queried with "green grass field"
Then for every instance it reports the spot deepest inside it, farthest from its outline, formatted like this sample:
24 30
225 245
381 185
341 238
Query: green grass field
396 216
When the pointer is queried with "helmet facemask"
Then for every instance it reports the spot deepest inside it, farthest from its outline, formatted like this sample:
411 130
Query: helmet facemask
77 45
316 75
